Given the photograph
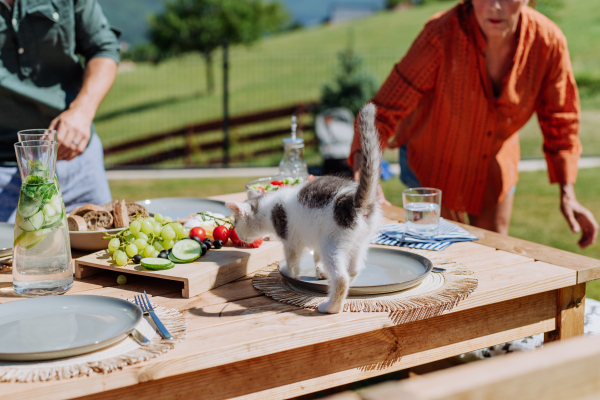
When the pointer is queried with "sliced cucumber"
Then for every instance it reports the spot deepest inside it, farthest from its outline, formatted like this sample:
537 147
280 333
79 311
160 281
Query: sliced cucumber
56 203
51 216
33 223
30 240
27 208
175 259
156 264
186 250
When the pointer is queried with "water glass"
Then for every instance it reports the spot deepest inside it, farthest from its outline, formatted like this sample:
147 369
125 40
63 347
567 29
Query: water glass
422 210
37 134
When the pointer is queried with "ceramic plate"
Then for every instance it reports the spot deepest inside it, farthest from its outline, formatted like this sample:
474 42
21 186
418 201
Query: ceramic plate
180 207
386 270
52 327
7 236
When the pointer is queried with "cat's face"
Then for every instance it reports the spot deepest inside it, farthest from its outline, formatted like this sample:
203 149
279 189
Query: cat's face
249 226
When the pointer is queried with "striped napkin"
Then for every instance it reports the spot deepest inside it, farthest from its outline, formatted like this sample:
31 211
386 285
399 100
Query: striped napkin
448 233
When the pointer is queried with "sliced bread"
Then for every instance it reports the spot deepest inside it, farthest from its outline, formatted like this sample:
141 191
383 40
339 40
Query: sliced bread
97 220
110 206
77 223
134 209
121 215
84 209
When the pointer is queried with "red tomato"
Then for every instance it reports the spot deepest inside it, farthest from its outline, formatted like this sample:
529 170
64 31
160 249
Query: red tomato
221 233
278 183
198 231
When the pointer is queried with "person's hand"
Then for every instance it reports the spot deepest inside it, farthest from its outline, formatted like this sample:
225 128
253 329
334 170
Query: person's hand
74 132
579 218
380 195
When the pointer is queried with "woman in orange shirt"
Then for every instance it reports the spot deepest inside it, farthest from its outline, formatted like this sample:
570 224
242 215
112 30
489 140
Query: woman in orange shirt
472 78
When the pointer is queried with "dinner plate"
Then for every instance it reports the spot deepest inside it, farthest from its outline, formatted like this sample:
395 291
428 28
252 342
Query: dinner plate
45 328
7 237
386 271
180 207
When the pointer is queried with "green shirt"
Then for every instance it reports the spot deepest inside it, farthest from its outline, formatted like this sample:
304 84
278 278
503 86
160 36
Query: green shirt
40 72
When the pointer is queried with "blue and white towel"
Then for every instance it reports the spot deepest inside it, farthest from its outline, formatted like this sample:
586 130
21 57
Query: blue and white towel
448 233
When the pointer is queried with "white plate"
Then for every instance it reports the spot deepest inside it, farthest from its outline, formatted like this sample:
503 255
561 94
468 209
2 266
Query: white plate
7 237
386 270
180 207
52 327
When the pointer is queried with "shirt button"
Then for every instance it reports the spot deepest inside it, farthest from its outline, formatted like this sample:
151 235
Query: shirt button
484 156
21 50
14 22
489 133
55 16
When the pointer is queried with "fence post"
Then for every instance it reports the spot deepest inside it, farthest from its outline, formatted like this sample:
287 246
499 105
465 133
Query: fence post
225 103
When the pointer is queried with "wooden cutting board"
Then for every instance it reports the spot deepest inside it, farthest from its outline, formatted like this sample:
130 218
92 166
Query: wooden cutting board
216 268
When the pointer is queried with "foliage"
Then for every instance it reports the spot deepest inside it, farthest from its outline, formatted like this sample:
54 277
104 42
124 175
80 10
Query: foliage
550 8
353 85
203 26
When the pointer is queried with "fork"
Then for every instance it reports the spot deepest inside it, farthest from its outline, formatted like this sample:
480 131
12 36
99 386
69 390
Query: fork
146 307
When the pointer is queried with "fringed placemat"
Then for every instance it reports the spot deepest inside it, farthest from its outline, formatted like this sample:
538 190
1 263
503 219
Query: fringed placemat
126 352
439 292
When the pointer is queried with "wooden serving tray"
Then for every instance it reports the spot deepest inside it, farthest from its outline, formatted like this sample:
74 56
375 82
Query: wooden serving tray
216 268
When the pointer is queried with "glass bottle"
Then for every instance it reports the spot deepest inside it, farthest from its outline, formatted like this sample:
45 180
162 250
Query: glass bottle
42 262
292 164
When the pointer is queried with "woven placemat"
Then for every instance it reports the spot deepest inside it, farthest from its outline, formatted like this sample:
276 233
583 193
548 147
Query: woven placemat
439 292
126 352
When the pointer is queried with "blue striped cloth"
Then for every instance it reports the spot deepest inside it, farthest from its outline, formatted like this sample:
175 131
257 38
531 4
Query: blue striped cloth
448 233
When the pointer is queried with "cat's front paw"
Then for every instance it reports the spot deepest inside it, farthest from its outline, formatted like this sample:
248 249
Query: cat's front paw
321 274
327 308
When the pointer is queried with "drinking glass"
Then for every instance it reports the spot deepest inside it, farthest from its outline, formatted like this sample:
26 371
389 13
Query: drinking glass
37 134
422 210
42 262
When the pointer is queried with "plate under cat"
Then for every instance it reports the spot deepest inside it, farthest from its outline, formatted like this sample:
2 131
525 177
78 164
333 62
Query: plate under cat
386 271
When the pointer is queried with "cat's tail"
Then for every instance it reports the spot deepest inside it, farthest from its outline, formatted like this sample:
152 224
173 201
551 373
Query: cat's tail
370 158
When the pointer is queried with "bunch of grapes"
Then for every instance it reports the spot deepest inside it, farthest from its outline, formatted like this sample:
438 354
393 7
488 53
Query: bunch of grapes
145 237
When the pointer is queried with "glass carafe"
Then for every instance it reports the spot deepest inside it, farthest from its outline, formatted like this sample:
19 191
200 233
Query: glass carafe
42 262
292 164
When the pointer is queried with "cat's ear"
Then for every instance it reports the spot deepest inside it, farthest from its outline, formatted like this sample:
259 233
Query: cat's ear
239 209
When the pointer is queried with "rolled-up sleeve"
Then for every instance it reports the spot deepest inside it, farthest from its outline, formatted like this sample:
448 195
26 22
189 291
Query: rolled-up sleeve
558 112
94 36
404 88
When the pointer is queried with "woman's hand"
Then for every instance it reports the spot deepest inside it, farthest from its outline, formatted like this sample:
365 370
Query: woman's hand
74 131
578 217
380 195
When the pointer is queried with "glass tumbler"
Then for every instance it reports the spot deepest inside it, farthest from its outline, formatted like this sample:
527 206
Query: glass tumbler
422 210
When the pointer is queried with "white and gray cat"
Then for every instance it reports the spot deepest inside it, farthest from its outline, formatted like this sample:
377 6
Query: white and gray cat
333 216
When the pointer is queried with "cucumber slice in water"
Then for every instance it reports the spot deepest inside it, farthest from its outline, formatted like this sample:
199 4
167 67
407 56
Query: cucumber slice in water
33 223
186 250
156 264
30 240
28 208
51 216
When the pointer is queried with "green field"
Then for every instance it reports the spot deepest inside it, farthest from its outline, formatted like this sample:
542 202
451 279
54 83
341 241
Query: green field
536 216
292 67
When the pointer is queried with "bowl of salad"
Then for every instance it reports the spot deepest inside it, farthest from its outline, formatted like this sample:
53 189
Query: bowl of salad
271 184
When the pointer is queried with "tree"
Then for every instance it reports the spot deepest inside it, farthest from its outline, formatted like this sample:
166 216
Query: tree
203 25
353 85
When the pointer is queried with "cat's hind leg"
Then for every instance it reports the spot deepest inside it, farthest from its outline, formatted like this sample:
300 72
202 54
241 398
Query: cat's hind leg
339 280
358 255
292 256
319 265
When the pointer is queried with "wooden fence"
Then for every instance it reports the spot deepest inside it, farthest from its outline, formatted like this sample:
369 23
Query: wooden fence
204 128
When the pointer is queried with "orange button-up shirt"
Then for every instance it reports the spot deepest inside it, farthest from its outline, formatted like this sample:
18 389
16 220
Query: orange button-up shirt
439 100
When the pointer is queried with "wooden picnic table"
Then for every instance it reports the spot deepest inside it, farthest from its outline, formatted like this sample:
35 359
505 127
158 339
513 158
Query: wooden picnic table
241 343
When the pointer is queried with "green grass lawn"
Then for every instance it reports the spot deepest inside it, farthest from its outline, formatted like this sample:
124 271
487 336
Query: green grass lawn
536 216
292 67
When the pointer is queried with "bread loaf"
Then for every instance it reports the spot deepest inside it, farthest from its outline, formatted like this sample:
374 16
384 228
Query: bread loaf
84 209
99 219
134 209
77 223
110 207
121 215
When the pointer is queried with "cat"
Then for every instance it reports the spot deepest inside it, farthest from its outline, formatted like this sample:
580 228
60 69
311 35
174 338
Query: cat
333 216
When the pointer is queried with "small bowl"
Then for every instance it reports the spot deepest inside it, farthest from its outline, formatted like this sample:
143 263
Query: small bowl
265 181
91 240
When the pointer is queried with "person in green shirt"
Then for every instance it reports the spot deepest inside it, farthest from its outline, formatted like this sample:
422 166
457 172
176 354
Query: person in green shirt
58 60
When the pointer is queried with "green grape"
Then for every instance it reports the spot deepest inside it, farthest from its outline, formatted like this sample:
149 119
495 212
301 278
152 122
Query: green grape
120 257
155 253
148 251
168 219
135 227
142 236
130 238
113 245
177 227
131 250
121 280
168 244
147 227
158 246
158 217
185 234
140 244
167 233
157 228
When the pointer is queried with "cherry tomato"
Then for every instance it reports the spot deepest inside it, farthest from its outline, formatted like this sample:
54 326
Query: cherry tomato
198 231
221 233
278 183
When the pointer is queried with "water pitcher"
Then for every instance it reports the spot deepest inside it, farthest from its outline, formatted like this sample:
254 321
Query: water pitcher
42 262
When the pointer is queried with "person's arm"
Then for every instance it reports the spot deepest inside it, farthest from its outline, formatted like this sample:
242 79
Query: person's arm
558 114
98 44
74 125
